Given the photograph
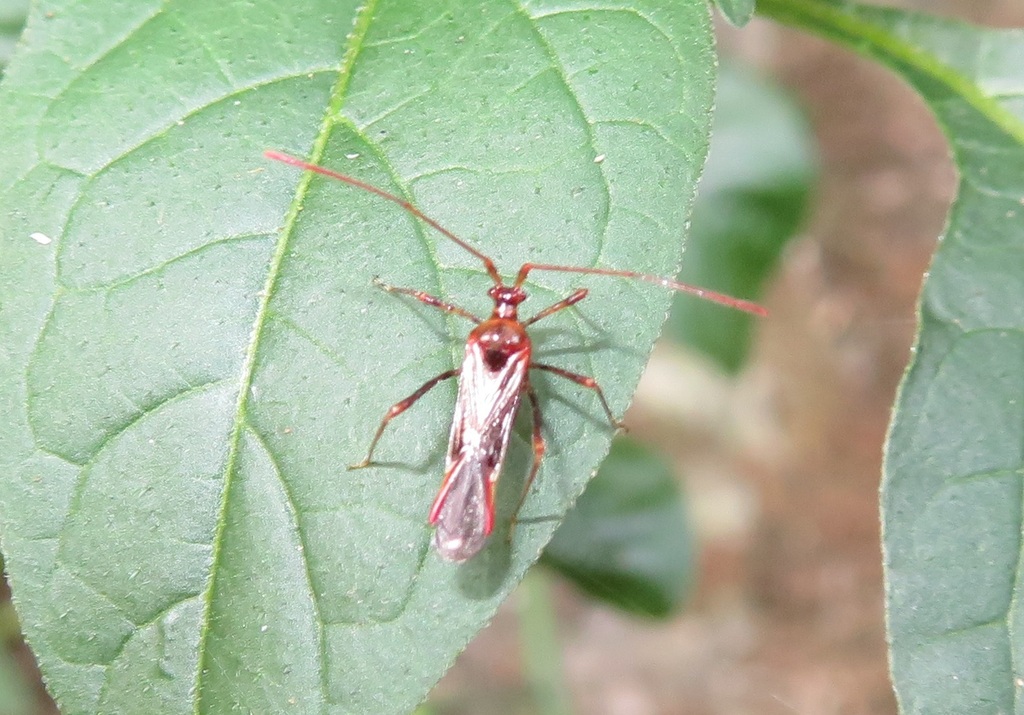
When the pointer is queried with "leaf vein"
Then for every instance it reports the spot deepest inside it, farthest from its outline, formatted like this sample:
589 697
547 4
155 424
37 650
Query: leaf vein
354 41
191 253
304 551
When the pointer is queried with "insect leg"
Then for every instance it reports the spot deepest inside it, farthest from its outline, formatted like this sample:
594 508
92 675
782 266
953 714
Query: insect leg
400 407
428 299
584 381
539 447
577 295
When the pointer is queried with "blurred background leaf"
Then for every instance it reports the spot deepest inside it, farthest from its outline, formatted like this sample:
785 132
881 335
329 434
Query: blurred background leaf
752 199
12 20
15 695
737 12
627 541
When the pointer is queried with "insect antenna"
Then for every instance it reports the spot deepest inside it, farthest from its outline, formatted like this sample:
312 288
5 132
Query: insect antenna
492 270
727 300
720 298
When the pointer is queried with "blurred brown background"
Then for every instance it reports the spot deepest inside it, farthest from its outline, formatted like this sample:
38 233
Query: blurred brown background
782 466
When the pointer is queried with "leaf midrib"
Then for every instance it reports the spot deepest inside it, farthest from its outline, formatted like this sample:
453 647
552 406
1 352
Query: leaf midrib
355 42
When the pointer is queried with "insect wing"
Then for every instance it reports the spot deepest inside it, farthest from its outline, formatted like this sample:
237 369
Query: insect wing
489 396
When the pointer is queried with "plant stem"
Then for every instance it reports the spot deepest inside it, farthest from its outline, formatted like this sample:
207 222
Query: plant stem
541 650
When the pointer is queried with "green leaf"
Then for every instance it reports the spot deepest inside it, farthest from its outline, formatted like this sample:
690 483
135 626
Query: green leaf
628 540
737 12
752 198
954 467
191 349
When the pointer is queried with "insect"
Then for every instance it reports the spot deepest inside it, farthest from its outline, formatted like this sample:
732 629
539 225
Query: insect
493 377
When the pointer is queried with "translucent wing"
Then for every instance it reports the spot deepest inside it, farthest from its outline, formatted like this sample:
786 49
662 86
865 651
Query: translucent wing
490 390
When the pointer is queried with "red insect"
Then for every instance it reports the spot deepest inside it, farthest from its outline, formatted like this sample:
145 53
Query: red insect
492 379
